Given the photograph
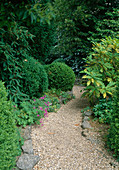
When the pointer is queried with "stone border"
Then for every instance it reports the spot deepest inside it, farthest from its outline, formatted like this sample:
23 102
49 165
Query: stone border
85 123
27 160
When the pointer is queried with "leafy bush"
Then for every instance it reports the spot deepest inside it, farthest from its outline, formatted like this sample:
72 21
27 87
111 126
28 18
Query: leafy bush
30 112
113 137
102 68
107 25
60 76
14 47
103 110
15 21
35 78
9 139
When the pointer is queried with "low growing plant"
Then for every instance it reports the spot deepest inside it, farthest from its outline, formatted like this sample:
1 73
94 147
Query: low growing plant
30 112
60 94
85 109
103 110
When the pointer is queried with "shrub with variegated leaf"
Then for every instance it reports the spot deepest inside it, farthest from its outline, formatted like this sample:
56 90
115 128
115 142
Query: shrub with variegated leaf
102 68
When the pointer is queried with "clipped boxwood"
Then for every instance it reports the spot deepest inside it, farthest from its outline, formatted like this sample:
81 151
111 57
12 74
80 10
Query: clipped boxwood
9 143
113 137
60 76
35 78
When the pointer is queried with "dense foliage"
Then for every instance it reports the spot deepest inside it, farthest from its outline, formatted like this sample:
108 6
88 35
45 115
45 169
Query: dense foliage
60 76
113 137
9 140
78 23
43 41
33 31
103 110
102 69
34 77
14 47
107 25
16 40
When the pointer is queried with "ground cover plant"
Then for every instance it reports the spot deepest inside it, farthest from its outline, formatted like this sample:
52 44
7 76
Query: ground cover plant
103 110
62 96
30 112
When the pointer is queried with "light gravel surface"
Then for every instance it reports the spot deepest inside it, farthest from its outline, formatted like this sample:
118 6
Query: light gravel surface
60 143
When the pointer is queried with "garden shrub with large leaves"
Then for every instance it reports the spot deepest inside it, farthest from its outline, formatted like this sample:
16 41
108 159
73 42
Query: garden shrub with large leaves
101 69
14 47
9 139
15 20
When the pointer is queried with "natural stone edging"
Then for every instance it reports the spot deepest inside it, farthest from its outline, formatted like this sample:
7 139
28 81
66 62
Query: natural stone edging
85 123
27 160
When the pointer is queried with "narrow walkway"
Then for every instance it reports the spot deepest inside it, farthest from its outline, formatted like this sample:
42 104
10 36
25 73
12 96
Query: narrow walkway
60 144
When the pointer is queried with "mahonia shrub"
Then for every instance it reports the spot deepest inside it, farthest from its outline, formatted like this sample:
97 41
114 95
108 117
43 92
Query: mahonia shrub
34 77
9 143
60 76
113 136
101 69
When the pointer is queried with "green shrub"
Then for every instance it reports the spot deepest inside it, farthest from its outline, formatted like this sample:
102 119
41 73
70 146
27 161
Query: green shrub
107 25
60 76
102 68
9 140
35 78
103 110
113 137
14 47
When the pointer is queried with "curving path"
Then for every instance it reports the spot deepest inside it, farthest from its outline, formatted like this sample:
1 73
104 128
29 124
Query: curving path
60 143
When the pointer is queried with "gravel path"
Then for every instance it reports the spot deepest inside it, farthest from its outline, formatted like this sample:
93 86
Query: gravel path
60 144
